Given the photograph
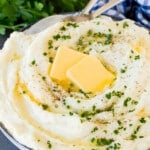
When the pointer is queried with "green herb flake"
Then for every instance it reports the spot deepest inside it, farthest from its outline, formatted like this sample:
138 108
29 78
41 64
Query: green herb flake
51 59
84 93
108 95
119 32
90 32
45 54
33 62
73 24
125 25
133 137
78 101
98 23
125 86
108 40
137 57
49 144
24 92
117 93
93 140
44 78
109 30
114 146
63 28
142 120
56 37
103 141
119 122
71 113
65 37
50 44
116 131
94 129
125 103
123 70
68 107
134 134
45 106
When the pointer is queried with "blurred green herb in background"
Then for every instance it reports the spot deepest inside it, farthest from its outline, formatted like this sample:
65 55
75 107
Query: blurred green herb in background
17 14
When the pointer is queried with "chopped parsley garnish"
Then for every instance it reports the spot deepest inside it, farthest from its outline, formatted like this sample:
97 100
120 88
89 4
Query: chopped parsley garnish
117 24
126 101
114 146
134 134
51 59
63 28
56 48
68 107
98 37
45 106
117 93
102 141
108 39
119 122
88 114
142 120
24 92
119 32
125 86
33 62
123 70
49 144
116 131
84 93
44 78
94 129
125 25
58 36
108 95
73 24
90 32
109 30
114 93
71 113
50 44
78 101
45 54
137 57
65 37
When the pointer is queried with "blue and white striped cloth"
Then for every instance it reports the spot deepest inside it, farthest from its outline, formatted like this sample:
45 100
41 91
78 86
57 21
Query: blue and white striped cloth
138 10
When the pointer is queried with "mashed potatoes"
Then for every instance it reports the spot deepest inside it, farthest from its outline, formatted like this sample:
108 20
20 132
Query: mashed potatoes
43 114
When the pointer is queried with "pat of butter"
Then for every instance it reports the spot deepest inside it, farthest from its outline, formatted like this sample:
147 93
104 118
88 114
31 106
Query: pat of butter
64 59
90 75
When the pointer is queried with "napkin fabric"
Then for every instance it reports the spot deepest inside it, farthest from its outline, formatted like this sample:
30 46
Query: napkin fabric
138 10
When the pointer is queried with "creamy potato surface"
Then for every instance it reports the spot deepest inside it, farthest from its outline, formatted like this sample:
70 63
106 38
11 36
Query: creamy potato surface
43 113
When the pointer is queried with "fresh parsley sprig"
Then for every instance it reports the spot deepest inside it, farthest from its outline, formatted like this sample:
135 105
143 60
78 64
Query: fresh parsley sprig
17 14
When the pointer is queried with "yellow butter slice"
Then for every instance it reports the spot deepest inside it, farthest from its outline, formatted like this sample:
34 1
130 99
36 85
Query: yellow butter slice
90 75
64 59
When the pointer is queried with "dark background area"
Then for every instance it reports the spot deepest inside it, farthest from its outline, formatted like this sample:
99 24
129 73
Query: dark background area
5 144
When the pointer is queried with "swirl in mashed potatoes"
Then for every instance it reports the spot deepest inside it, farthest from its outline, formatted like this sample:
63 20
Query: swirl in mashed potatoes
43 114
